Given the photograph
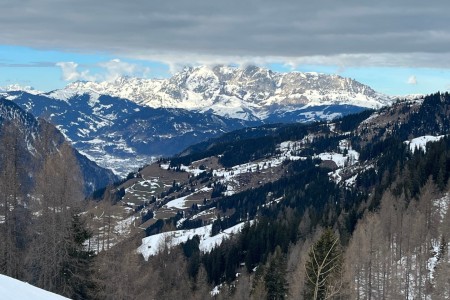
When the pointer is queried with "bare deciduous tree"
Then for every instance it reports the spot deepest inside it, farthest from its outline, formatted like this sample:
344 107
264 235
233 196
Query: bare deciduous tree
12 177
58 194
324 272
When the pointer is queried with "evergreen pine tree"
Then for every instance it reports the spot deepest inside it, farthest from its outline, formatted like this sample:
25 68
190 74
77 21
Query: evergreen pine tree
275 278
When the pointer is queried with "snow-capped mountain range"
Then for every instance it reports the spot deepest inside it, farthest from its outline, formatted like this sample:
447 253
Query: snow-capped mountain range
245 93
122 124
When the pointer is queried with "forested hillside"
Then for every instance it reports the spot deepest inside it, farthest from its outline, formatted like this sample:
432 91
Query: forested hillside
355 208
41 229
43 182
259 212
34 138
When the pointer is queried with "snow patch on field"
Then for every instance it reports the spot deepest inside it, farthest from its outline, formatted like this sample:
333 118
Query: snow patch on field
339 159
151 245
124 227
203 213
216 290
369 119
421 142
180 202
177 203
348 166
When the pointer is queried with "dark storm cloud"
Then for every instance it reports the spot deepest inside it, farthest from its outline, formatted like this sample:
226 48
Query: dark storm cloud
284 29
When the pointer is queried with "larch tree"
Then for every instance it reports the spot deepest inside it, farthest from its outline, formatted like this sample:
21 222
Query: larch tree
441 289
59 232
365 260
118 273
297 256
12 200
324 268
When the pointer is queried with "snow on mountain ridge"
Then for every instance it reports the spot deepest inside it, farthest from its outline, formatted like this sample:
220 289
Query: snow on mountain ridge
245 93
17 87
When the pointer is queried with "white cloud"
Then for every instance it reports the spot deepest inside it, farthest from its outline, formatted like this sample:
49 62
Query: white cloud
70 72
109 71
116 68
412 80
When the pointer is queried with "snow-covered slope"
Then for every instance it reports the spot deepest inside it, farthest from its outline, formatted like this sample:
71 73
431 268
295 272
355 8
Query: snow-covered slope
119 134
245 93
421 142
152 244
11 288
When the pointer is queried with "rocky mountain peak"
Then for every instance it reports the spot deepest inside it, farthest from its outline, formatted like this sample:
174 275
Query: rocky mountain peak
241 92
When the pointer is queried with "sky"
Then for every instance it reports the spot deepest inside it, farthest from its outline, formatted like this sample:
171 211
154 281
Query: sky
396 47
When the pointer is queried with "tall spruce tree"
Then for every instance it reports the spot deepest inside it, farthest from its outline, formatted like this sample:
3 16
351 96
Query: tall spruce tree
275 278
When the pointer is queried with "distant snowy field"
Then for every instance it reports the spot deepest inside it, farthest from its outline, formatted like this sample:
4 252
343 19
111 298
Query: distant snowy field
421 142
13 289
151 245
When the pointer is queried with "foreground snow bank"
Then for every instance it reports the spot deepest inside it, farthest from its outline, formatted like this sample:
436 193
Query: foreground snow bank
11 288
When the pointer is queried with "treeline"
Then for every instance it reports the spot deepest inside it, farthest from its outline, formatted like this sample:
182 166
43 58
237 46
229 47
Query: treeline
431 118
233 153
243 146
